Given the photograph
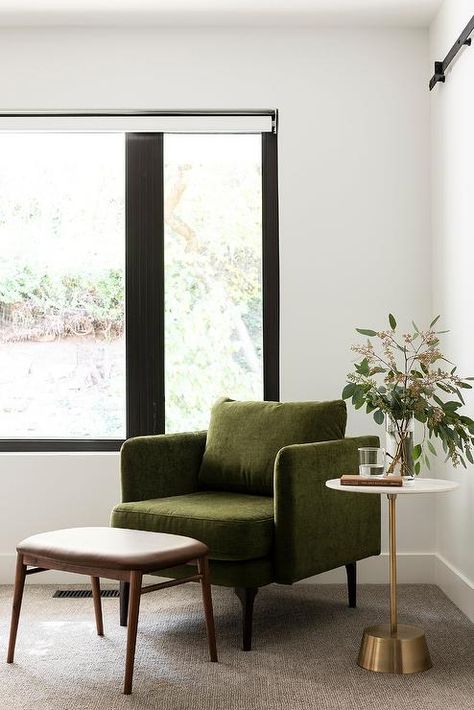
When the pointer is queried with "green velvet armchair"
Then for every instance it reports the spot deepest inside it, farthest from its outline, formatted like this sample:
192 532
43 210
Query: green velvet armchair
253 489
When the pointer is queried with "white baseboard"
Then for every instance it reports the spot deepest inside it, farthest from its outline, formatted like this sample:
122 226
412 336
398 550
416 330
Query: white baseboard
7 574
455 585
413 567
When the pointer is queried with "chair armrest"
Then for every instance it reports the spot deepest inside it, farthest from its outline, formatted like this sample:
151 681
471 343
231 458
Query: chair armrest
160 466
316 528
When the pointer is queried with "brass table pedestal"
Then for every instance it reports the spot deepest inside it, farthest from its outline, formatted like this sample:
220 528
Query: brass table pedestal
394 647
404 651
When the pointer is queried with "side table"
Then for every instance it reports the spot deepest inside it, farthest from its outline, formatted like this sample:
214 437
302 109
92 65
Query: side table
394 647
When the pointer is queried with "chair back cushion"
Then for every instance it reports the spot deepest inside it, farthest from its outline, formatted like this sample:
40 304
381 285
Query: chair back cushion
245 437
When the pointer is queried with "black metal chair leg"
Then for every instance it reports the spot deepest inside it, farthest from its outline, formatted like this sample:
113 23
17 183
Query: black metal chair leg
124 598
351 570
247 597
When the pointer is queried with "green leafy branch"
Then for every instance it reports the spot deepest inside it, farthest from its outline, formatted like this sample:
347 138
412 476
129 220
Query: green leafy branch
408 375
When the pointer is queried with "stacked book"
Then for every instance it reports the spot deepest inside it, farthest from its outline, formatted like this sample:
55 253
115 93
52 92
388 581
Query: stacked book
386 481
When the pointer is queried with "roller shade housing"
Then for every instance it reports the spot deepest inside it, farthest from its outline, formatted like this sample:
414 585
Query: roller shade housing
141 122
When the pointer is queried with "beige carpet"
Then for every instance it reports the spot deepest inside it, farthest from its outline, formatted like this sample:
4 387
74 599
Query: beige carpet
306 642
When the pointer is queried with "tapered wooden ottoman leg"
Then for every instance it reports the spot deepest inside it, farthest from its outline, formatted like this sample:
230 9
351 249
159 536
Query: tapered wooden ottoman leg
203 568
134 609
97 605
17 598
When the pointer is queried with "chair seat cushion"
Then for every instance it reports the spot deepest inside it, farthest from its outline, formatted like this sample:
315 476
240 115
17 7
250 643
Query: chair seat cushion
234 526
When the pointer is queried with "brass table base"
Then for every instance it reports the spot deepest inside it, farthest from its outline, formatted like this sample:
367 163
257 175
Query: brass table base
402 651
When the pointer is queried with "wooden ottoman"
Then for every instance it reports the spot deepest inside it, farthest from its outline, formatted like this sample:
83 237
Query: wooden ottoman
113 553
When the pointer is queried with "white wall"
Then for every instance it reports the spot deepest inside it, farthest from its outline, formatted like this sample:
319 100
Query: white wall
354 196
452 112
51 491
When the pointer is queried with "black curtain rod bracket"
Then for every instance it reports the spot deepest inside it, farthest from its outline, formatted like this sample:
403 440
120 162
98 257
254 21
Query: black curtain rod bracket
463 40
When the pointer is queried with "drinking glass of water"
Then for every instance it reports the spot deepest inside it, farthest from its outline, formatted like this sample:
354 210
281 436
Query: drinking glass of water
371 461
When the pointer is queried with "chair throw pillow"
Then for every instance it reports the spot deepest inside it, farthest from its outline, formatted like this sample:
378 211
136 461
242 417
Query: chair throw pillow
245 437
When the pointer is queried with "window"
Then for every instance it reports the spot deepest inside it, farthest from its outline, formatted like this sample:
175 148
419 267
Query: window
138 276
213 274
62 267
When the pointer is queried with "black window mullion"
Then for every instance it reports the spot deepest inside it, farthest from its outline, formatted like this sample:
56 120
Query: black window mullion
270 268
144 319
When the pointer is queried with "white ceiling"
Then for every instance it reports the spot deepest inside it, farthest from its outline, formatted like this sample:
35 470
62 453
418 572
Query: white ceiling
407 13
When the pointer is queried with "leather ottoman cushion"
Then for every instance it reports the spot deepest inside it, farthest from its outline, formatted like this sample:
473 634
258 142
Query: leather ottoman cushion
112 549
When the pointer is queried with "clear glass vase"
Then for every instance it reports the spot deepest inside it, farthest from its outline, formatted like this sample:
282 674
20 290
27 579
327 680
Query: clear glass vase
399 447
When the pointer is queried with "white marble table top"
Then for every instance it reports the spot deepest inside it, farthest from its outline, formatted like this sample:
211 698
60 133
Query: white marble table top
419 485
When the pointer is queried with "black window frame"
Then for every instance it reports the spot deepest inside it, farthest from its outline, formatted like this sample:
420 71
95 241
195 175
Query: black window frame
144 284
